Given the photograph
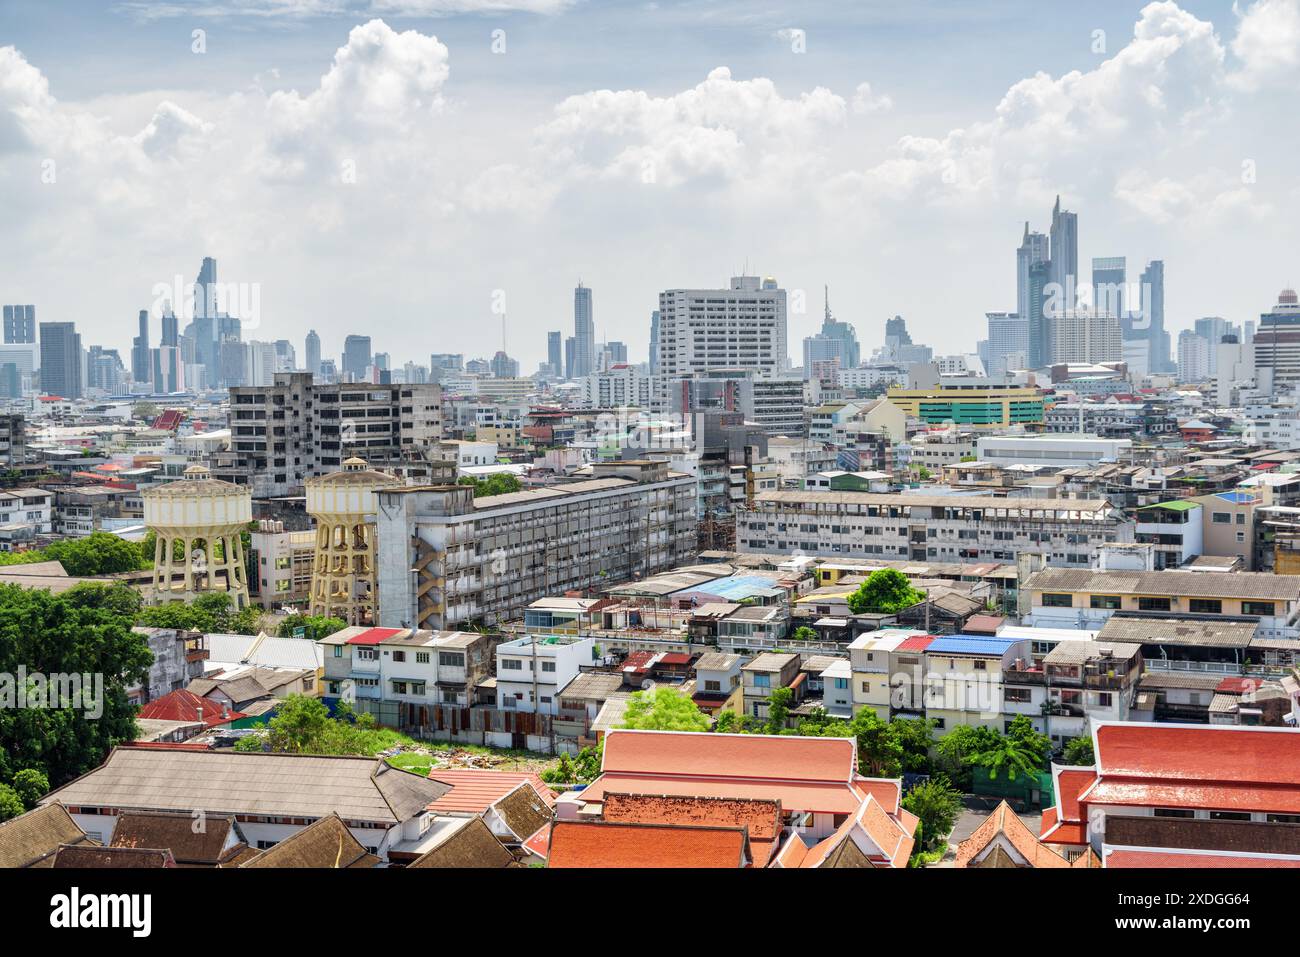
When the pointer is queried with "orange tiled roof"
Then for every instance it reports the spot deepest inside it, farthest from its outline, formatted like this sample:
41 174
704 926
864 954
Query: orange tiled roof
1055 831
1197 753
1004 823
474 790
820 797
730 755
1156 857
761 819
599 844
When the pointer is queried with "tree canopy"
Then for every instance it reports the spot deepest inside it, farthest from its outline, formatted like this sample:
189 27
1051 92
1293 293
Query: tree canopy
1078 751
937 803
209 613
99 553
663 709
500 484
315 627
85 631
885 591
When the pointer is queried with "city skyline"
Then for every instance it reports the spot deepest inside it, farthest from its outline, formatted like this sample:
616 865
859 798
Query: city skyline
744 130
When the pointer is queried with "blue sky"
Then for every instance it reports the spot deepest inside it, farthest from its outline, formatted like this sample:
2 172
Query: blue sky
896 158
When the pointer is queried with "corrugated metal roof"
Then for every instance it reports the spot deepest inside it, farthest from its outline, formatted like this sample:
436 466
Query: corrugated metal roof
969 645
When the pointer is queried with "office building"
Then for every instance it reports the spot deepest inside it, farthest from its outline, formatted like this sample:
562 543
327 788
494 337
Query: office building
555 353
1277 343
141 363
356 358
312 352
836 341
1150 324
1109 278
1033 250
742 327
61 360
584 334
1065 254
447 558
1008 336
1194 357
19 324
654 342
981 403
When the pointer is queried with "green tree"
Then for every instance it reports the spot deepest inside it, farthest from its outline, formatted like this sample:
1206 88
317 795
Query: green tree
1038 744
83 632
804 633
1078 752
1013 755
315 627
880 752
99 553
885 591
956 751
31 785
300 726
916 735
663 709
501 483
11 804
778 710
937 803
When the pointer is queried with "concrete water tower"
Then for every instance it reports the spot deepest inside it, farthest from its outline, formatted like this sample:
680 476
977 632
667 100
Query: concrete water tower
201 518
344 506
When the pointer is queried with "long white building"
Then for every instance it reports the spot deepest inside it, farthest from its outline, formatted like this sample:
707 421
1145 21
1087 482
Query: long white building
742 327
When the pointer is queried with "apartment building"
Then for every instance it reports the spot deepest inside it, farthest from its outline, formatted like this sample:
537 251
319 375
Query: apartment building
765 674
1070 598
944 528
29 511
282 564
971 402
1076 683
447 558
963 679
294 429
532 670
869 668
401 674
1175 531
13 440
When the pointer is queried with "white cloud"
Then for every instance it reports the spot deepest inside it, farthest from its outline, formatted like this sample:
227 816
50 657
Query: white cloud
1267 42
864 101
172 128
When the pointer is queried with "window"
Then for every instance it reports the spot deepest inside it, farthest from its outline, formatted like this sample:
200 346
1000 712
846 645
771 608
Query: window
1221 518
1257 608
1105 699
841 684
1229 816
1207 606
1154 604
1018 695
1057 601
454 659
1283 818
981 665
762 681
338 651
866 686
367 654
421 657
399 656
512 664
712 685
1110 602
1241 518
548 665
1173 812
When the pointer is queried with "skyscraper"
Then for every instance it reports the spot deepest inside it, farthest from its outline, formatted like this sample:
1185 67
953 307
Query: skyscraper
356 358
1153 316
1065 253
584 333
20 324
555 352
312 351
1008 336
1033 249
141 362
170 328
836 340
1109 276
1040 327
61 360
654 342
743 327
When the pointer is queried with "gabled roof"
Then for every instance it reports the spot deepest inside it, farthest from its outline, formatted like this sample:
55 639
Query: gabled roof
601 844
32 839
1148 857
234 782
730 755
82 856
1003 830
760 818
474 790
472 845
870 837
212 845
1217 767
324 843
186 706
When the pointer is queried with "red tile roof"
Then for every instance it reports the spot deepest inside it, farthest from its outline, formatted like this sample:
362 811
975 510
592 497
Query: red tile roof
1069 783
182 705
1004 823
374 636
598 844
754 756
761 819
915 643
1197 766
474 790
1055 831
1122 857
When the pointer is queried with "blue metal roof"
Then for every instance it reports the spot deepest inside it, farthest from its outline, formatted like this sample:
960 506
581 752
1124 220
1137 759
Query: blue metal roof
970 645
1236 497
736 587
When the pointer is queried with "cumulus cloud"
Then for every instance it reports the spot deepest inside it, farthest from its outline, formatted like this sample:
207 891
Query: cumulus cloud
171 129
865 101
303 9
1267 43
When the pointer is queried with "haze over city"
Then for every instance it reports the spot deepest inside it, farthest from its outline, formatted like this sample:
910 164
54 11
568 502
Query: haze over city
411 169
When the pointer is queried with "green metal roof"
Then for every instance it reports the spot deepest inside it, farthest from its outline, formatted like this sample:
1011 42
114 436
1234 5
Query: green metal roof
1176 506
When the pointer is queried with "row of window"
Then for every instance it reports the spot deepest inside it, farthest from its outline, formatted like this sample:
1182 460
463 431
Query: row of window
1199 606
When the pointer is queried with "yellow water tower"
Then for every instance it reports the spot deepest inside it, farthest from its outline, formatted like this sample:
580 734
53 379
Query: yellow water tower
198 521
343 505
